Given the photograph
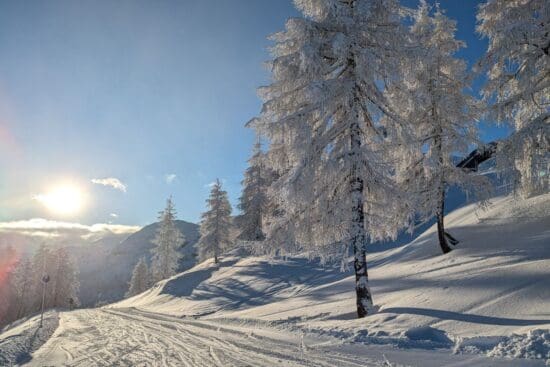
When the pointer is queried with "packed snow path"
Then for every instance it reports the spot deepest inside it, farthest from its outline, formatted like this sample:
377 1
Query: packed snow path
106 337
129 337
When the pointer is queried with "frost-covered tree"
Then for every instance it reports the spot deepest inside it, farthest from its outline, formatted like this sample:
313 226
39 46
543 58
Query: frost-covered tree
441 117
64 280
518 85
321 112
43 263
275 164
140 278
215 224
167 241
21 284
8 262
26 286
63 286
253 202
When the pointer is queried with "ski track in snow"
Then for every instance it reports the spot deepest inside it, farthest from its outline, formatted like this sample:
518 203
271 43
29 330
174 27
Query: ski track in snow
131 337
488 297
107 338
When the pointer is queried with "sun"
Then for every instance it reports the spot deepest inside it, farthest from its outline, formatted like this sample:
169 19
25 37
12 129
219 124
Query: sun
65 199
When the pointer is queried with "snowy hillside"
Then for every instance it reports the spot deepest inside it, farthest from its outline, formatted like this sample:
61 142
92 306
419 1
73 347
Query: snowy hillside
484 304
108 281
492 286
24 337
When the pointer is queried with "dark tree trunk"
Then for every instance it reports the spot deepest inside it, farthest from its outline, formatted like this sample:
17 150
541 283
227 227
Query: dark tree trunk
441 225
21 302
364 297
440 213
358 233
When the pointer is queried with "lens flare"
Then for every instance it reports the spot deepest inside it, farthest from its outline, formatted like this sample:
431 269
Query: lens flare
65 199
8 259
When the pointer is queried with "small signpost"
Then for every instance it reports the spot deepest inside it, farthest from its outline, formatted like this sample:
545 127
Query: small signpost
45 280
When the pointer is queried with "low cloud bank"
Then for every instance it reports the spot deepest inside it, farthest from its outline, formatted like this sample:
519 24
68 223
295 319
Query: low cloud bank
40 227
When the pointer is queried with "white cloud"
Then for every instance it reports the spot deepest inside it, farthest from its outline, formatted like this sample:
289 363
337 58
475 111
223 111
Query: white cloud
169 178
42 234
114 228
40 227
113 215
115 183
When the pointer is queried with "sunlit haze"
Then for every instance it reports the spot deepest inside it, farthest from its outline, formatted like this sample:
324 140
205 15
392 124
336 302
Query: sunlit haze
65 199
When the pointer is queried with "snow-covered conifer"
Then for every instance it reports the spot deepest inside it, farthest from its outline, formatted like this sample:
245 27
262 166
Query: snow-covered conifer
21 284
441 118
140 279
253 201
321 113
43 263
63 284
8 263
215 225
168 239
64 280
518 83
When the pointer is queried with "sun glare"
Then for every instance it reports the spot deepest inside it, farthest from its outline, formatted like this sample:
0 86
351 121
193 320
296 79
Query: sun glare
65 199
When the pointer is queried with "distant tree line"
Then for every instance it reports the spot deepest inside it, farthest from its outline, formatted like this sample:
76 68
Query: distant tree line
165 253
22 286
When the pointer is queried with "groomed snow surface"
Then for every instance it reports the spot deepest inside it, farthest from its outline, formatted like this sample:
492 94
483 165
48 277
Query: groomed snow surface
485 304
24 337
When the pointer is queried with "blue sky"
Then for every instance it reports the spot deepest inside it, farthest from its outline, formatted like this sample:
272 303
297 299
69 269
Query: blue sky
138 90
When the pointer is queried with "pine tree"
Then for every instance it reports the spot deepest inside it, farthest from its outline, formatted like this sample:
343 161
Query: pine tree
63 285
21 284
281 240
41 266
441 118
64 281
25 286
321 111
140 279
215 224
518 83
51 263
8 262
168 240
253 201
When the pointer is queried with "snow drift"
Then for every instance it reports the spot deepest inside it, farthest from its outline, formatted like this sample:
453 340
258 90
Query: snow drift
490 294
24 336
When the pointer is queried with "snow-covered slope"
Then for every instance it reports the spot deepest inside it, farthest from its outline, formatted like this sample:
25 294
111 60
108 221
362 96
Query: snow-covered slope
493 285
108 280
24 337
488 298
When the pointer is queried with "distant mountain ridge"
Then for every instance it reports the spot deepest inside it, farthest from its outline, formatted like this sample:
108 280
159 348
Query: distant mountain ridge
105 279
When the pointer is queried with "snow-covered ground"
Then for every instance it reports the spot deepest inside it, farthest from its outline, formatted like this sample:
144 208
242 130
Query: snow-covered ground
484 304
24 337
489 295
130 337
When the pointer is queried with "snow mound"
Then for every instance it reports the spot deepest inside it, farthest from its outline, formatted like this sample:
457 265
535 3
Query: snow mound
429 334
23 337
490 294
234 284
533 345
